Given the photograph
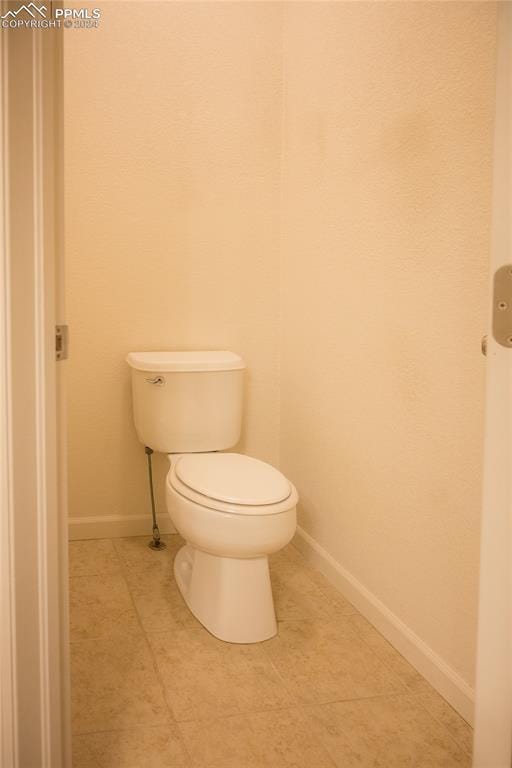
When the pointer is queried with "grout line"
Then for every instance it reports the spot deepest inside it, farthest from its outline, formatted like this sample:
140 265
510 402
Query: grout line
122 573
127 729
159 677
245 714
124 567
372 697
299 708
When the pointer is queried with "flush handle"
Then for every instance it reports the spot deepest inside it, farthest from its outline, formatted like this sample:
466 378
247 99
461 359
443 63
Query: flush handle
159 381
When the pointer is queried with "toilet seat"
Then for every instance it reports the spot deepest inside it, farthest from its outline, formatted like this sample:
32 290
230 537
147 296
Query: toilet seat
232 483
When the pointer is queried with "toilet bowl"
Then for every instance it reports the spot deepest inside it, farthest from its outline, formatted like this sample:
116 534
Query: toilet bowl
233 511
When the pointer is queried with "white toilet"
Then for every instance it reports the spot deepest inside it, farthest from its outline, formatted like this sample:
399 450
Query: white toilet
232 510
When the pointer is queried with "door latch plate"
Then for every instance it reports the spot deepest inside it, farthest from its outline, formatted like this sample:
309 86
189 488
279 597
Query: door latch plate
61 342
502 306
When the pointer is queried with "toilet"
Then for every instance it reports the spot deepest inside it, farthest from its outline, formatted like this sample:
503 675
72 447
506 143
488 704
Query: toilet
232 510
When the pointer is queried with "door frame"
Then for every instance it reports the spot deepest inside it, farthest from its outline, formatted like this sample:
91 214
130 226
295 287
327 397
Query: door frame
493 694
34 643
8 725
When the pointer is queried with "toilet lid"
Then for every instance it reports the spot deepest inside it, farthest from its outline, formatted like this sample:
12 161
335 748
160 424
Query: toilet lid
233 478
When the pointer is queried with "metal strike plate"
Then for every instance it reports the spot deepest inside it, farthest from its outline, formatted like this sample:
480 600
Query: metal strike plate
61 342
502 306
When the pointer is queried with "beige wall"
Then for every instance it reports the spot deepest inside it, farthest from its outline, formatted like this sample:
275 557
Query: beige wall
349 268
386 197
172 172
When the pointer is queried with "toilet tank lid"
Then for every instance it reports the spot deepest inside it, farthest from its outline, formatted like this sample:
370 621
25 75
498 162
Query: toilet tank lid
185 361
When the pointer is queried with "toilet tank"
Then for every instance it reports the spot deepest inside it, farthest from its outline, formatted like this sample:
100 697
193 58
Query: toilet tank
187 402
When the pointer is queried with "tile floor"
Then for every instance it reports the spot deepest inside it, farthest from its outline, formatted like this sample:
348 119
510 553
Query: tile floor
152 689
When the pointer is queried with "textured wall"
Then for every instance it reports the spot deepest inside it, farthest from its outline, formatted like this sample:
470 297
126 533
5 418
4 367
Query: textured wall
172 153
387 142
177 237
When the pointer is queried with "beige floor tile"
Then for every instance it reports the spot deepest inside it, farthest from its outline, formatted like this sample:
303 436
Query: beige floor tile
205 678
459 729
290 556
289 553
226 743
148 747
386 732
115 685
158 600
298 596
100 606
328 589
135 553
95 557
279 739
409 676
322 662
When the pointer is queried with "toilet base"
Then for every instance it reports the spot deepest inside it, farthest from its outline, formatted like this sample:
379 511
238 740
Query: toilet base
231 597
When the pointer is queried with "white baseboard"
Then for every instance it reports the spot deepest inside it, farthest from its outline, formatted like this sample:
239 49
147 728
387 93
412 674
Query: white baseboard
116 526
438 673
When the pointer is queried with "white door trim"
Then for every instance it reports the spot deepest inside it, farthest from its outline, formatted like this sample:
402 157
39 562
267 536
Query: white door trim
35 708
42 416
8 700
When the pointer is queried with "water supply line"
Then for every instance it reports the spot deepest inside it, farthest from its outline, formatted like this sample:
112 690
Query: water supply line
156 542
